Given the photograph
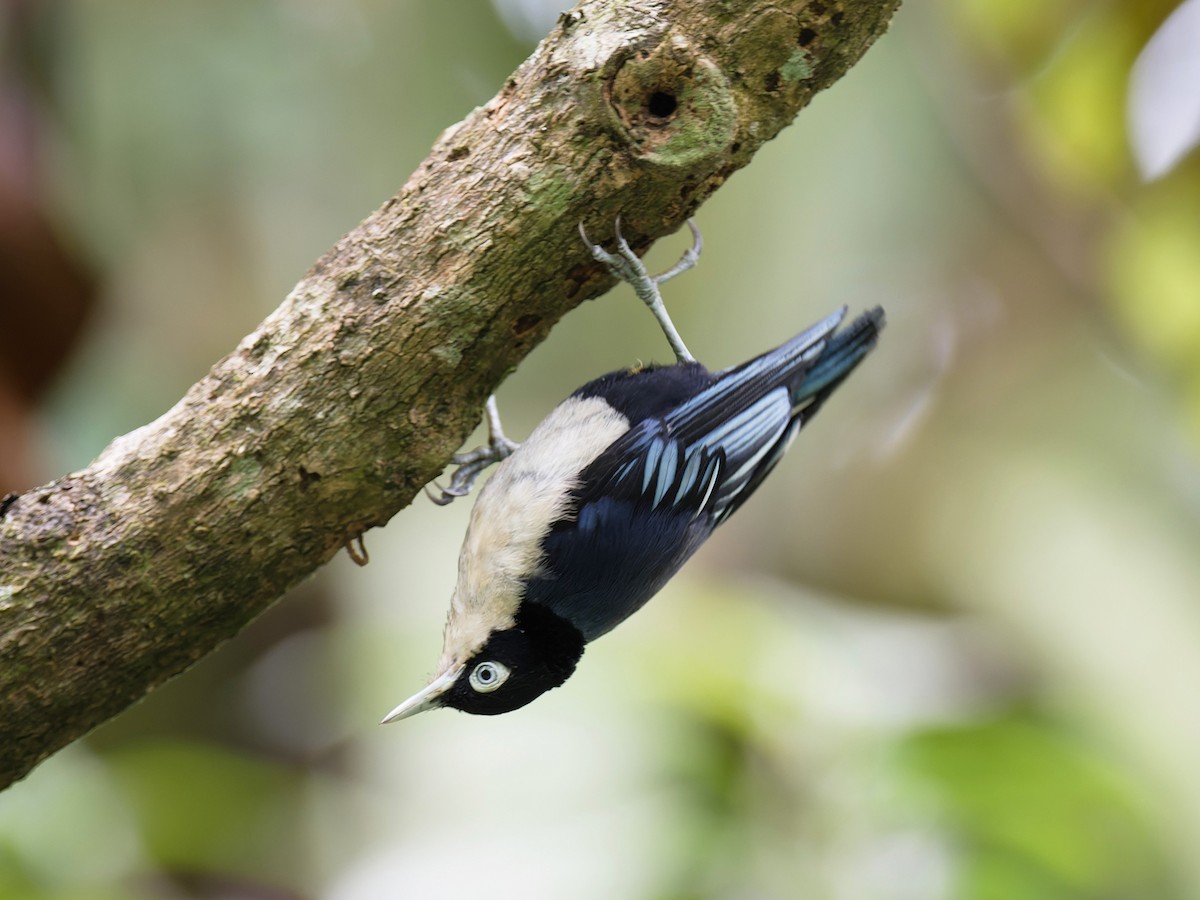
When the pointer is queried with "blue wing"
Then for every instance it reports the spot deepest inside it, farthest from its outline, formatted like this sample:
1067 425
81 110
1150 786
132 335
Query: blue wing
699 445
707 453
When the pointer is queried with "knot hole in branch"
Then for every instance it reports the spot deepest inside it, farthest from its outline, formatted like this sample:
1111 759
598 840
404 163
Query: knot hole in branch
672 106
661 105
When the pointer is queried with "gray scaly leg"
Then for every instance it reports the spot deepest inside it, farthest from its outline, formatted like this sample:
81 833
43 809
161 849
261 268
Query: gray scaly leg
472 463
625 265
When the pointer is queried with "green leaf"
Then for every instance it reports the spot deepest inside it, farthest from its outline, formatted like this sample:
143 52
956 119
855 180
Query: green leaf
207 810
1038 813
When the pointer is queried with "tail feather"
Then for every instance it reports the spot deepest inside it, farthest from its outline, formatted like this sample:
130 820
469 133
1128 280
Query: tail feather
843 351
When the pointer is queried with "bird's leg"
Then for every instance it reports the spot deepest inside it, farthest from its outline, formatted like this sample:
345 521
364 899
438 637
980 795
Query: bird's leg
625 265
473 462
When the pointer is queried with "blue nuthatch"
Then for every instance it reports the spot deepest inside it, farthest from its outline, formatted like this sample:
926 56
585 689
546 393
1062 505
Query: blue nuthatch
617 487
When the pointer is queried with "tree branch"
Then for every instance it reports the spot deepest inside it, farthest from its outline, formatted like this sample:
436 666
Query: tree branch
353 394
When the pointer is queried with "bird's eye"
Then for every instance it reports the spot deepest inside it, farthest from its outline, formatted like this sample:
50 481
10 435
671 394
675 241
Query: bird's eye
487 676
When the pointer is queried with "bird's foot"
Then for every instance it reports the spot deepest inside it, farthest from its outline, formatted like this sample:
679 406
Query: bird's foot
472 463
625 265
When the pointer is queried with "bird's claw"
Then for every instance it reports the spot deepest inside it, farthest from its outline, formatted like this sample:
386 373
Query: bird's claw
690 257
472 463
626 266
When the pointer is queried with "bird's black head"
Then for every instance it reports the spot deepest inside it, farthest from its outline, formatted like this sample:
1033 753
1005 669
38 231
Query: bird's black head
517 665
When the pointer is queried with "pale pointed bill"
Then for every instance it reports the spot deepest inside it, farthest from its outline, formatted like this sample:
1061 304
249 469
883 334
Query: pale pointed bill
424 699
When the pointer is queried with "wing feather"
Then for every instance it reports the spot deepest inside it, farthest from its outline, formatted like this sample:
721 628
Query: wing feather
698 445
740 416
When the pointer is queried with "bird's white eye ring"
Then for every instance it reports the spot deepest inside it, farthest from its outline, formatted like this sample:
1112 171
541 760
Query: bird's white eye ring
487 676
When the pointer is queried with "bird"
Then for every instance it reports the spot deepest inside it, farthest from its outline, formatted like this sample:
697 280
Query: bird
612 493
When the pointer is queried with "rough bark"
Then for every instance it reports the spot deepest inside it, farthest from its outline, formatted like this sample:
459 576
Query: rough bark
349 397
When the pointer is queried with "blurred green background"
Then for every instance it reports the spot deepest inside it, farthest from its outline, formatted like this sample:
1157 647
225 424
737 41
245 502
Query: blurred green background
952 650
